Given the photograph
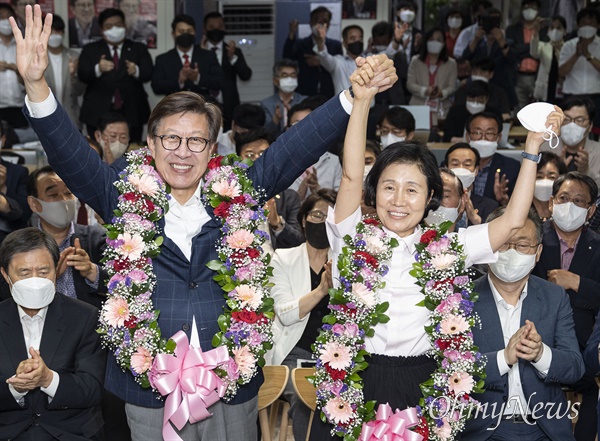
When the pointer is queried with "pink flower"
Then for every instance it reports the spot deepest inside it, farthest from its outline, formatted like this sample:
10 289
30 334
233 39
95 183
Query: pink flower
337 329
137 276
374 245
444 431
240 239
453 324
233 373
244 359
439 246
226 188
337 355
365 295
452 355
443 261
144 184
447 306
339 411
248 296
243 273
141 360
351 329
132 247
460 382
116 311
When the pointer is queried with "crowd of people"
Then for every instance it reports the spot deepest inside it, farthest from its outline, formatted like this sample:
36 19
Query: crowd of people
332 144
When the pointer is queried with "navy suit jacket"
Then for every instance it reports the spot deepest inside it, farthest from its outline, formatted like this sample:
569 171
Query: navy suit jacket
231 72
311 80
69 346
585 263
185 289
508 166
100 90
16 195
165 78
547 306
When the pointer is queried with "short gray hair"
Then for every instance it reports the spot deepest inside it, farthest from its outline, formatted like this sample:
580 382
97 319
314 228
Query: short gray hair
286 62
24 241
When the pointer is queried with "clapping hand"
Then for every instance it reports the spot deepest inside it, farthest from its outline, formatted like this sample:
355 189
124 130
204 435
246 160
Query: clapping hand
80 260
105 65
530 347
131 67
31 373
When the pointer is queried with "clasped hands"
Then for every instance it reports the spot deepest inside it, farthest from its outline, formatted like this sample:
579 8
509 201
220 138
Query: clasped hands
373 75
31 373
525 344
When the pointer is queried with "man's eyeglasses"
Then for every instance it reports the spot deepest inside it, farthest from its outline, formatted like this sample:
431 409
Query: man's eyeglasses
580 121
563 198
195 144
316 216
490 136
520 247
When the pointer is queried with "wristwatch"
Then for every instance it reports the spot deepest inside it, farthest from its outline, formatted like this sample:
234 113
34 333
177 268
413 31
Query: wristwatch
534 158
277 228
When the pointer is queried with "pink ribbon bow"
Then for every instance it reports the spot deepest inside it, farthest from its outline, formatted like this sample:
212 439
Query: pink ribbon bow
187 377
391 426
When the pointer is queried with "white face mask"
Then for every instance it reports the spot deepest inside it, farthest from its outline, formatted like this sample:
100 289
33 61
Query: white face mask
288 85
33 293
378 48
543 189
434 47
390 138
454 22
568 216
533 117
60 213
407 16
555 34
587 32
442 214
572 134
315 31
484 147
480 78
55 40
114 35
466 176
512 266
5 28
474 107
529 14
118 149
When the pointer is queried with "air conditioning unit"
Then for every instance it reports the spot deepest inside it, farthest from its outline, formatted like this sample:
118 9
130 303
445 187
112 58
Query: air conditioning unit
251 24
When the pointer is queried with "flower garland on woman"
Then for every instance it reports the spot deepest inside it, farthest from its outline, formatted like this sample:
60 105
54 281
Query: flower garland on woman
128 320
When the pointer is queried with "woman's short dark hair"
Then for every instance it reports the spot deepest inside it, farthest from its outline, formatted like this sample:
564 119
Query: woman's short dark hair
443 56
24 241
323 194
560 19
552 158
581 178
407 153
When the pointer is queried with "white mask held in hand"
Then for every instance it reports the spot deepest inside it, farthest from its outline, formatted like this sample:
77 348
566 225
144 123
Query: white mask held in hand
474 107
442 214
512 266
568 216
555 34
466 176
572 134
33 293
5 28
114 35
55 40
484 147
543 189
587 32
533 118
288 85
390 138
407 16
60 213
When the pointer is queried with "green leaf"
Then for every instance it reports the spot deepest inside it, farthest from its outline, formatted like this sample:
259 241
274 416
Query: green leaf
215 265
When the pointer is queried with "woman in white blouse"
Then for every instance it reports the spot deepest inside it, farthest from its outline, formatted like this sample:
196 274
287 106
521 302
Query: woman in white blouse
403 185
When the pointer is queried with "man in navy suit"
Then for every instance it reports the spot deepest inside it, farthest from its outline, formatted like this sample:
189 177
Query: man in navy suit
115 70
313 79
528 336
187 66
186 294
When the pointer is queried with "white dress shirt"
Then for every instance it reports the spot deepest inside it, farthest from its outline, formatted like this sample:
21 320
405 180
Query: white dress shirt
329 172
339 66
33 328
583 78
510 320
404 334
11 91
56 62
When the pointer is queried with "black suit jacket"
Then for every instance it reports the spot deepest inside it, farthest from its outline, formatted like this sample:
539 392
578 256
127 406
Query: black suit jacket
69 346
165 78
231 96
100 90
93 240
16 195
311 80
484 206
586 264
508 166
288 205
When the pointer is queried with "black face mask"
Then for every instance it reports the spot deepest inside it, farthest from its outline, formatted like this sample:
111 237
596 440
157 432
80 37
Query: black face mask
356 48
215 35
185 40
316 235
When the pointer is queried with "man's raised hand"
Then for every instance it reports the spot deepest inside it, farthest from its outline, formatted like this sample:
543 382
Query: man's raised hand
32 51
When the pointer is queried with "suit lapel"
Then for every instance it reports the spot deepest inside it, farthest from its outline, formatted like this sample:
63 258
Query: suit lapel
11 332
54 328
490 321
583 253
532 308
551 251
